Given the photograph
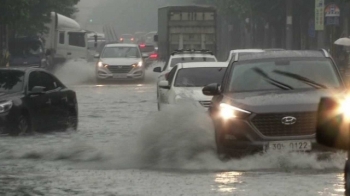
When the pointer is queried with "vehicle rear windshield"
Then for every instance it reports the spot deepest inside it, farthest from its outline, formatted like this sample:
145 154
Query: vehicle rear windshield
11 81
121 52
147 48
25 48
199 77
175 61
284 75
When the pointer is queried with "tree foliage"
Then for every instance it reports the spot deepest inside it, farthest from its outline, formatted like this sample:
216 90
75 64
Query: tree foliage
30 16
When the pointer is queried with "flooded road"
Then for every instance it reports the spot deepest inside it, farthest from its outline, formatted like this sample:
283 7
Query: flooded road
124 146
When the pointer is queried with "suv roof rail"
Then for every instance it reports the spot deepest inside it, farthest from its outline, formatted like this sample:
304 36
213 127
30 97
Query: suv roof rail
325 52
192 51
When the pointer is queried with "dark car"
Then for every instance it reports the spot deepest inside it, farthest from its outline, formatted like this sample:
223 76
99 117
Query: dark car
28 52
151 52
35 100
269 101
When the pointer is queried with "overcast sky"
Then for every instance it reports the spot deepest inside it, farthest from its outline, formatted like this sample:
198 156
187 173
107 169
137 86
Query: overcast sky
127 16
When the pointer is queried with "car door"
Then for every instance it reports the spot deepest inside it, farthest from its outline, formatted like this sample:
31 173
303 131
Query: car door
56 97
39 104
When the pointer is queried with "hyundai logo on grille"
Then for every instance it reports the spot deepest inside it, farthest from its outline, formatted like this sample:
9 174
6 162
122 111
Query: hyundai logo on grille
289 120
120 67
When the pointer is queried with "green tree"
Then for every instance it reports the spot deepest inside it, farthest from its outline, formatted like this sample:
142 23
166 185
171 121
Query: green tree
28 17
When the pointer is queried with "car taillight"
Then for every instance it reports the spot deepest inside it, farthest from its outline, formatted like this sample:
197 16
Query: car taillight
167 76
121 39
142 45
154 56
132 39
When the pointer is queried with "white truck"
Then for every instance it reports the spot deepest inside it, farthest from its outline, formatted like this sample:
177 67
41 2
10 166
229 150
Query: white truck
186 27
65 40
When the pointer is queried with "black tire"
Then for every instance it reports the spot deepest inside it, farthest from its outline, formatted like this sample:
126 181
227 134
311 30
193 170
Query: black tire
347 178
23 126
73 121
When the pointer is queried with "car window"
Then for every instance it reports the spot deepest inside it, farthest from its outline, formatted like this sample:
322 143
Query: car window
171 75
34 80
11 81
177 60
283 74
48 81
199 77
43 79
77 39
121 52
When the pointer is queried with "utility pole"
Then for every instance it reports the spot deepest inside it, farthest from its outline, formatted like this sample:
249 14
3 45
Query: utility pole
289 24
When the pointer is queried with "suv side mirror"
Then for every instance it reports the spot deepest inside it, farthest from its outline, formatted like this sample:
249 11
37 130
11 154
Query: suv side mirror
97 56
37 90
211 90
157 70
164 84
155 38
332 128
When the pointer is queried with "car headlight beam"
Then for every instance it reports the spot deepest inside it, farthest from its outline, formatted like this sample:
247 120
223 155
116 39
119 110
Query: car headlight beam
5 106
345 107
101 64
139 64
230 112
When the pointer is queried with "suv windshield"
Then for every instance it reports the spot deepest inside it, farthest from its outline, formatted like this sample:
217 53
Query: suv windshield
121 52
283 75
11 81
199 77
175 61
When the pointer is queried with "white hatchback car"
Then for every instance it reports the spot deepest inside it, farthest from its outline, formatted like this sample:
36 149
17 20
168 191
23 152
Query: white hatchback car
186 81
120 62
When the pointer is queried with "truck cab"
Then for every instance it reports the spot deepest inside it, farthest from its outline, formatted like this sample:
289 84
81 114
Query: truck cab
65 39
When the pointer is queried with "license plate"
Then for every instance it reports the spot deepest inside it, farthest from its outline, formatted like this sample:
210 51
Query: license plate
119 76
302 145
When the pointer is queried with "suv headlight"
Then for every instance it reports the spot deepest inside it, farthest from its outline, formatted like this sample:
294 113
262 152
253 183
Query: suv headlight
100 64
5 106
139 64
230 112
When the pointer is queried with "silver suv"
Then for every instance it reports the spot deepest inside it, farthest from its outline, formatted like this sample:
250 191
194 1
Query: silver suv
120 62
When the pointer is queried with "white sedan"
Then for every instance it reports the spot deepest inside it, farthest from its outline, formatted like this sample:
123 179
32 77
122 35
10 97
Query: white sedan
186 80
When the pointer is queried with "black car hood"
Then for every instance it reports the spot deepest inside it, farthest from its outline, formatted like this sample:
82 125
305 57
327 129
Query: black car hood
5 96
274 102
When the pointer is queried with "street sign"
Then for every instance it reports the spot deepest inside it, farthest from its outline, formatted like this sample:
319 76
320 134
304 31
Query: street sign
332 10
319 15
332 21
332 14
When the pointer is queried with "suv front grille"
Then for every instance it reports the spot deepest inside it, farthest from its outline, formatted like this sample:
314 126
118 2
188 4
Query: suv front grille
120 68
205 104
271 125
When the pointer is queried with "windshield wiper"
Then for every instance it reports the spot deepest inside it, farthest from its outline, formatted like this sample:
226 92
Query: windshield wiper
302 79
272 81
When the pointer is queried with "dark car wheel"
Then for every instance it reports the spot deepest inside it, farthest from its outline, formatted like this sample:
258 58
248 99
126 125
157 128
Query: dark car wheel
23 126
347 178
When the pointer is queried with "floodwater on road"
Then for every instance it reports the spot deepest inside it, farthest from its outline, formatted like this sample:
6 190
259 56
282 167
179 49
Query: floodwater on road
124 146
